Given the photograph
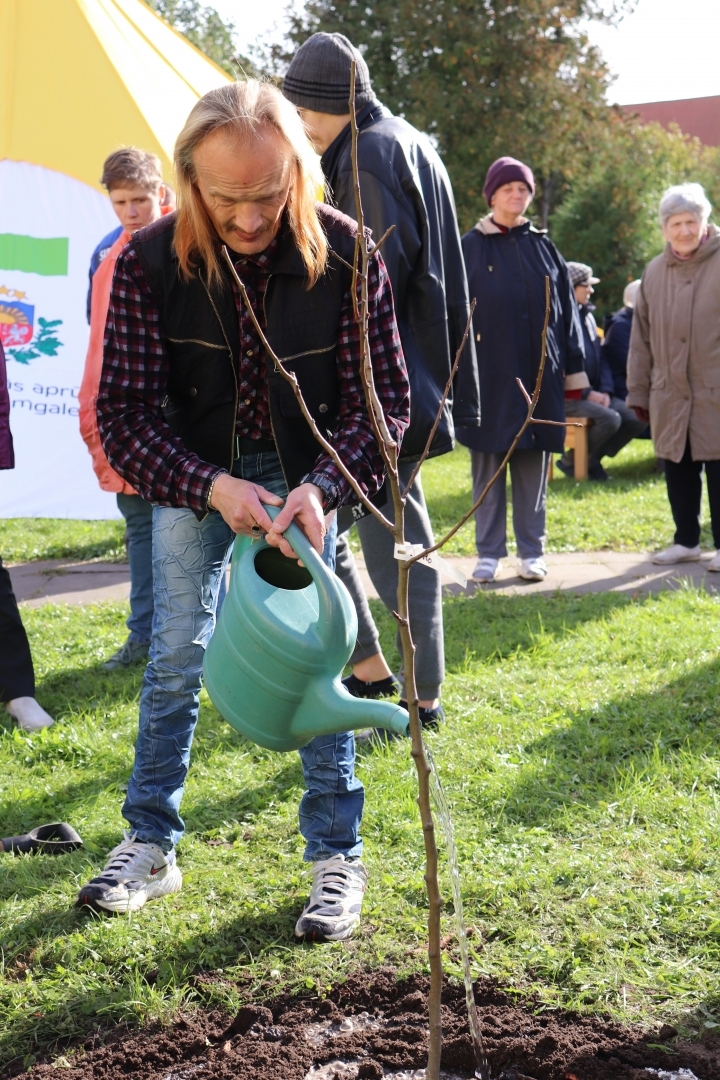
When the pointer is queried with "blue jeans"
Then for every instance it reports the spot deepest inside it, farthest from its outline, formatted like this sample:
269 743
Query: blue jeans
189 560
138 520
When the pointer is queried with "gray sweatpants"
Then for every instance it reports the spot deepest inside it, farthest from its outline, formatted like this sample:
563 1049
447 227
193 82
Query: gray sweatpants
528 472
425 593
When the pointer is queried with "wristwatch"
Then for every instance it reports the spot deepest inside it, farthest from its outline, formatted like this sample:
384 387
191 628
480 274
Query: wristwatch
330 493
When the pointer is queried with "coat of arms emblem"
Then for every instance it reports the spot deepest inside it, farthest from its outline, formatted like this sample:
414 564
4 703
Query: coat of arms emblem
21 340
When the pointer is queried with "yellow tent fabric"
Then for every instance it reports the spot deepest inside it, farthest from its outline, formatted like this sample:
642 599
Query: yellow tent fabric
80 78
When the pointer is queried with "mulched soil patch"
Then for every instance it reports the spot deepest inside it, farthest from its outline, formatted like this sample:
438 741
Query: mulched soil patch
272 1041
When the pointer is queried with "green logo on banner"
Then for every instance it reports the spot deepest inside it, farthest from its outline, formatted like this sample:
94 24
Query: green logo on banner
34 256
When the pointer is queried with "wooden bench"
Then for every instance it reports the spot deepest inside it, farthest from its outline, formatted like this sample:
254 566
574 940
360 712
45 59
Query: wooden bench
576 438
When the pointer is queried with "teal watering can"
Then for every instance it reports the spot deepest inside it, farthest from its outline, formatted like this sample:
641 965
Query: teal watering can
285 633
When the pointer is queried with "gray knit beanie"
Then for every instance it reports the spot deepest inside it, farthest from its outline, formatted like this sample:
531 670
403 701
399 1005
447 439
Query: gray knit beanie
319 76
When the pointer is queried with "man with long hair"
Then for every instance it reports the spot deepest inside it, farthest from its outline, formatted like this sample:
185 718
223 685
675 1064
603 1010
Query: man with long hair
192 413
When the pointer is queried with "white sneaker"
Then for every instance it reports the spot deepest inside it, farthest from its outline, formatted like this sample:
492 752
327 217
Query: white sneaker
29 715
333 910
486 570
533 569
714 563
677 553
135 872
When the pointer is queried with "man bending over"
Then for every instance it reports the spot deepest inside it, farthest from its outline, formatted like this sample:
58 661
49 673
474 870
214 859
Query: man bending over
194 416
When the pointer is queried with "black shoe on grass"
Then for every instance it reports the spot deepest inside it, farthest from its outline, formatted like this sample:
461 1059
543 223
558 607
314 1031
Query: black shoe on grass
379 689
431 719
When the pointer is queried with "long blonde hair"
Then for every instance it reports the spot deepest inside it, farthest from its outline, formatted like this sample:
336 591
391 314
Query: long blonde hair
242 108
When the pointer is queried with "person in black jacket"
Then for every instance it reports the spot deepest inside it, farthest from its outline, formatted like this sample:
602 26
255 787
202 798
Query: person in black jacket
403 183
614 424
508 262
616 343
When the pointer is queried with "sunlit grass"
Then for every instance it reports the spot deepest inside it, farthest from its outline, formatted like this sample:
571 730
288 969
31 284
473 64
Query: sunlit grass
581 758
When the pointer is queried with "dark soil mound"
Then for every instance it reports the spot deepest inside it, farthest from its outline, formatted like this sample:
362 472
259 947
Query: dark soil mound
380 1024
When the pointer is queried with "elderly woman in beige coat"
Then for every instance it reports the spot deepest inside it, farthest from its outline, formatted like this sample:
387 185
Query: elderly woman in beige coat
674 364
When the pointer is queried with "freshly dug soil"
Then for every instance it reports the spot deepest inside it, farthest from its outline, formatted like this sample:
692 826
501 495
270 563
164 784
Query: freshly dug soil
379 1024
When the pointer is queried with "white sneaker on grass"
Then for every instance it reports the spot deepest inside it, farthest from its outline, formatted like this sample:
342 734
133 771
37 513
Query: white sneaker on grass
333 910
677 553
134 873
29 714
714 563
486 570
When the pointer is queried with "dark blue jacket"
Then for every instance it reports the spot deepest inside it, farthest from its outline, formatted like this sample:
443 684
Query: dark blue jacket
616 347
97 257
405 184
596 365
506 274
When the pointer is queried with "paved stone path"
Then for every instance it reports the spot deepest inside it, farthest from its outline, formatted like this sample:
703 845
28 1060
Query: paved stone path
67 582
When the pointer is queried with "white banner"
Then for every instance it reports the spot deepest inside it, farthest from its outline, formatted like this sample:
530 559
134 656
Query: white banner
49 226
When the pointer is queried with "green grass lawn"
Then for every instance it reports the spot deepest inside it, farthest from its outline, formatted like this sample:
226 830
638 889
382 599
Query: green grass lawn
581 756
630 513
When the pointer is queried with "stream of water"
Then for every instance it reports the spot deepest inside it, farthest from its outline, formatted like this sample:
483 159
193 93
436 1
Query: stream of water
482 1067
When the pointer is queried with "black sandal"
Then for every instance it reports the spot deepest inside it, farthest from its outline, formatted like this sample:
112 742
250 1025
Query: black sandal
55 839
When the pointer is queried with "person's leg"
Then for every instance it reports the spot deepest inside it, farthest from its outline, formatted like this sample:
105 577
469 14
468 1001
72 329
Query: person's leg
528 479
138 514
332 806
17 676
630 428
684 488
368 640
605 422
491 517
425 598
330 816
188 561
712 473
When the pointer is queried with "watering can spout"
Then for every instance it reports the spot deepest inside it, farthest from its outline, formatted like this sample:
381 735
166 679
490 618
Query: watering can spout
328 705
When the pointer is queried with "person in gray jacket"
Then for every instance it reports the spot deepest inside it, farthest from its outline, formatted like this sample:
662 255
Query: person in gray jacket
403 183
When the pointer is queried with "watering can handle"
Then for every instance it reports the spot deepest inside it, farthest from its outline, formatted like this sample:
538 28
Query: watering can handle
299 542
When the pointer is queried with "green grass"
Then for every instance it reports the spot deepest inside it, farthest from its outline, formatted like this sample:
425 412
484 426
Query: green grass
630 513
25 539
581 757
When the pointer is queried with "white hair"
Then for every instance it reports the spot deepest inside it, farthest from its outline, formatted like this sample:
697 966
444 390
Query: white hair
630 293
685 199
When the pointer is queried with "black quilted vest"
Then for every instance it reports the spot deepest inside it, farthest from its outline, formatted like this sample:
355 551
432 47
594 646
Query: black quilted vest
202 332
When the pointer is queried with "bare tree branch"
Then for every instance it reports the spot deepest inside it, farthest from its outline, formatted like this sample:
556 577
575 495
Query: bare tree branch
443 399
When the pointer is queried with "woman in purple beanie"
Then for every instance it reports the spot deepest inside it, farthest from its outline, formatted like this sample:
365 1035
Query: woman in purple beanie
507 261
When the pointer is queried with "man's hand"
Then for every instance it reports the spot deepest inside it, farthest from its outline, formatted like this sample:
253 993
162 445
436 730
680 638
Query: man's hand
642 414
304 504
599 399
240 504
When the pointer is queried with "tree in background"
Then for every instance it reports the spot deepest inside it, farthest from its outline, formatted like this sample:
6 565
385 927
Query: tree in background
208 32
609 219
484 78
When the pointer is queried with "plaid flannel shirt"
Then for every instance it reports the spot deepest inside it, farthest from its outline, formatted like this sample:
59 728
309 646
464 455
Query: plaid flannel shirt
136 368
